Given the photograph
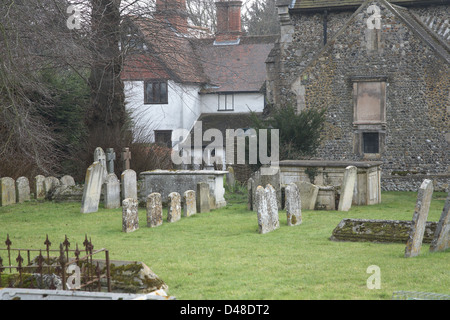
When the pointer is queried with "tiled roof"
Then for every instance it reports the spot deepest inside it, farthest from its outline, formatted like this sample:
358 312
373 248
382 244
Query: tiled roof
235 68
335 4
220 67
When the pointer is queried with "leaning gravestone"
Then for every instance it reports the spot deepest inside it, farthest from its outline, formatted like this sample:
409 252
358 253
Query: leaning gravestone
112 192
154 210
7 192
308 194
174 213
264 219
347 188
190 203
129 184
272 206
92 188
414 243
23 190
39 187
293 205
203 197
441 240
130 215
100 156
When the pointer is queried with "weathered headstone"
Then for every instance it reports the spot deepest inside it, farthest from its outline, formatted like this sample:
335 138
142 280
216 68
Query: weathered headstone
129 184
272 206
39 187
7 192
308 194
347 188
23 190
414 243
264 219
126 157
110 158
92 188
293 205
203 197
250 194
174 213
67 181
190 203
154 210
231 180
441 240
261 179
50 184
130 215
112 192
100 156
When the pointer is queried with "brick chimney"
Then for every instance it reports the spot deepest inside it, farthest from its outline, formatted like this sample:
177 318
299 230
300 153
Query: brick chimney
229 26
174 12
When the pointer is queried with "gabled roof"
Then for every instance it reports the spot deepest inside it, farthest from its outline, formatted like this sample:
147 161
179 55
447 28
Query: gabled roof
235 68
415 25
220 67
314 5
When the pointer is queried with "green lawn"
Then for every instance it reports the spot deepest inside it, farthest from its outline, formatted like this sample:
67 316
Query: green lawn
220 255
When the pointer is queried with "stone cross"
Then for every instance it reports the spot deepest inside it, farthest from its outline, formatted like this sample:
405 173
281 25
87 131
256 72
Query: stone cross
414 243
110 158
126 157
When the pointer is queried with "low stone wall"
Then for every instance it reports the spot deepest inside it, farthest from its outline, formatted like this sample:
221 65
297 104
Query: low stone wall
388 231
441 183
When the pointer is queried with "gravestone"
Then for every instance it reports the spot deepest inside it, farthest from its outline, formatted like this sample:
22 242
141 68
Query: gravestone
39 187
348 188
100 156
23 190
264 219
112 192
174 213
203 197
67 181
110 158
92 188
441 240
190 203
231 180
154 210
414 243
126 157
50 184
250 194
130 215
308 194
293 205
261 179
272 206
129 184
7 192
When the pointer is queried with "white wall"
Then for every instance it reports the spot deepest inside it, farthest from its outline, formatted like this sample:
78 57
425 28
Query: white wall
184 108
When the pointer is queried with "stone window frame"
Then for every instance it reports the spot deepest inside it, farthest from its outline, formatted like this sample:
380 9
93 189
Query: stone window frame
369 126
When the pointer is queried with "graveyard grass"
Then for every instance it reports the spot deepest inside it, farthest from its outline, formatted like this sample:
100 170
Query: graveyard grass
220 255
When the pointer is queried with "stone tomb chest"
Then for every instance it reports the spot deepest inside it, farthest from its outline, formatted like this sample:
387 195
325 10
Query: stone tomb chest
167 181
331 173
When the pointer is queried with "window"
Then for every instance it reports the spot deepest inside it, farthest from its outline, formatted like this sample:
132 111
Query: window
371 142
164 138
226 102
155 92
